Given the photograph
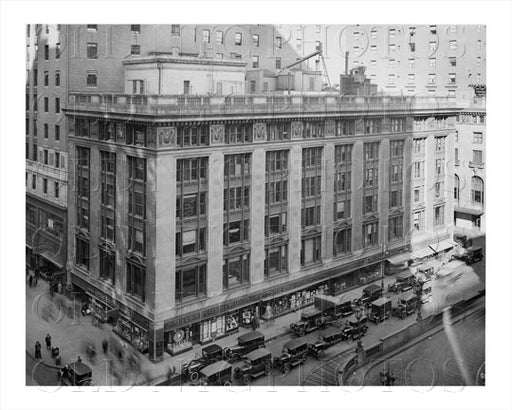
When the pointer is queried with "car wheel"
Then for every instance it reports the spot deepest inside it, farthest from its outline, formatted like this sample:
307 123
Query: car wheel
246 379
228 354
286 368
227 383
194 376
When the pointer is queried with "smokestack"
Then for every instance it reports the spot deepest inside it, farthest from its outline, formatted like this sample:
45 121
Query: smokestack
346 62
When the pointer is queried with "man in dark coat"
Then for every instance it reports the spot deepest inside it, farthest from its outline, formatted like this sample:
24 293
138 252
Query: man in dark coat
38 350
48 340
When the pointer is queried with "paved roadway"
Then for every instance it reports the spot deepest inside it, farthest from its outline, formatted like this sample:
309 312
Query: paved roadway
463 282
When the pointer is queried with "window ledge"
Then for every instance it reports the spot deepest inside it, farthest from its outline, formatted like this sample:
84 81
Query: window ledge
191 301
476 165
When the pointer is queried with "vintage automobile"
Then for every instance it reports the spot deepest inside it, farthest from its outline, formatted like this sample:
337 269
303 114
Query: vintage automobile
355 329
473 254
294 353
406 306
403 283
76 374
311 319
370 293
328 337
463 240
246 344
209 355
256 364
216 374
336 306
380 310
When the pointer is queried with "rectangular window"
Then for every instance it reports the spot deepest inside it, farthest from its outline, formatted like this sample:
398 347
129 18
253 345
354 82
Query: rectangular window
419 169
410 79
34 181
186 87
46 104
92 50
235 271
278 63
135 28
477 157
46 52
255 61
136 280
238 39
342 241
453 61
57 51
57 78
395 227
206 36
46 79
370 234
45 185
190 283
478 138
92 80
453 44
395 198
175 30
92 27
220 37
311 250
432 63
299 44
57 105
256 40
135 49
279 42
45 129
107 265
412 62
432 46
276 260
439 215
452 78
82 253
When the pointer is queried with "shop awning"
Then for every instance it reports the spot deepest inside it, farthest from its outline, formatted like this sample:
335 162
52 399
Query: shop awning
442 246
468 211
399 259
422 253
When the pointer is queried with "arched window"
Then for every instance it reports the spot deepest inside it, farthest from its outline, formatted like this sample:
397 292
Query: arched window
477 190
456 189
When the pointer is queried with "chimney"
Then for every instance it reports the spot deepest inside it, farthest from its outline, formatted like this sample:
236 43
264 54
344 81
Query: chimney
346 62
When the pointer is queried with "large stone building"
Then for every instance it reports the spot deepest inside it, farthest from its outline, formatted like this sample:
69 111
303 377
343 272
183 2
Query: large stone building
189 214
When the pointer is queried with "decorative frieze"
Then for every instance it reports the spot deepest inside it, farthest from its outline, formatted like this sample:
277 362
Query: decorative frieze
297 129
166 136
259 132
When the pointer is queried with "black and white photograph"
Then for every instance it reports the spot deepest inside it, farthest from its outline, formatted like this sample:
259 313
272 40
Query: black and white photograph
245 207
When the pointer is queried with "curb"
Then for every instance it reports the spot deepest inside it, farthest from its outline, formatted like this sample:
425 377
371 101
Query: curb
42 361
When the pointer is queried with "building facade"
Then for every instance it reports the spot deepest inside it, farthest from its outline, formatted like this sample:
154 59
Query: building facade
469 178
190 214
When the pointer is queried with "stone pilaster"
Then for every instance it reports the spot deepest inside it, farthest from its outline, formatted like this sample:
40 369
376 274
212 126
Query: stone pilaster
257 216
327 212
294 209
357 195
215 223
94 211
384 164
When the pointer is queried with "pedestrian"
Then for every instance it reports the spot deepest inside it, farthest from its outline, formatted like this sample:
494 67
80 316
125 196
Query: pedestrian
30 278
38 350
79 359
48 339
36 278
59 287
104 345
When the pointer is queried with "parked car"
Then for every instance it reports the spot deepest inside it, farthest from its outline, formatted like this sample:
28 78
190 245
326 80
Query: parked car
403 283
256 364
473 254
336 305
370 293
76 374
328 337
294 353
426 294
463 240
311 319
209 354
406 306
216 374
246 344
355 329
380 310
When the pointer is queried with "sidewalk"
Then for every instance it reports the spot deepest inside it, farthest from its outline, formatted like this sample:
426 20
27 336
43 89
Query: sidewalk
70 334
